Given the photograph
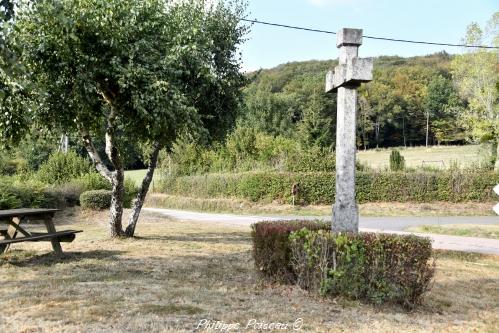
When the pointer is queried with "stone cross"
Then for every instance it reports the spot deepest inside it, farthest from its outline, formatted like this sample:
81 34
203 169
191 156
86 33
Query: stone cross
346 78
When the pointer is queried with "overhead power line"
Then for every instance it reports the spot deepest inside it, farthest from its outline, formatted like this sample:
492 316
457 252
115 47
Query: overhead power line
370 37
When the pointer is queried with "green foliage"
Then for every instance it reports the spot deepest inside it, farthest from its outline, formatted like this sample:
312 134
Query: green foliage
61 168
246 149
377 268
10 167
271 247
310 160
92 181
288 100
186 158
24 195
476 76
146 72
71 191
35 148
131 191
397 161
443 105
96 199
112 55
319 187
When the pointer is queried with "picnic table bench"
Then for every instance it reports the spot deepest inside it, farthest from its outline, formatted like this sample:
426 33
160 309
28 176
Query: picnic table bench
15 233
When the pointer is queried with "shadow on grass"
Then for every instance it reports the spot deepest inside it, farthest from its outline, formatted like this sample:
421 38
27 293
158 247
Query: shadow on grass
222 238
23 258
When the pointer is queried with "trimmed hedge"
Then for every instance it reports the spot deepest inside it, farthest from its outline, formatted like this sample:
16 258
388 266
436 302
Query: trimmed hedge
375 268
271 247
319 187
70 192
96 199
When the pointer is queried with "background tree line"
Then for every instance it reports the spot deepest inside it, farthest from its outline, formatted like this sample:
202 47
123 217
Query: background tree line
289 100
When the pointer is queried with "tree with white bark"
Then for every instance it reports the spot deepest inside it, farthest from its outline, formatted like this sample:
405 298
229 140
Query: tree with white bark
476 74
143 71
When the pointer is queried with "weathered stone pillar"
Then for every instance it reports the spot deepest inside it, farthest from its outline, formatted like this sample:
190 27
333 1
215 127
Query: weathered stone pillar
346 78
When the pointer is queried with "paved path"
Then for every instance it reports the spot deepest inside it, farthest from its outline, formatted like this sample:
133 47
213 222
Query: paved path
369 224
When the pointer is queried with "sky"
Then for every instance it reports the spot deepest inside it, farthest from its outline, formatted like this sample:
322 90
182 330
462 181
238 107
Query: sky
428 20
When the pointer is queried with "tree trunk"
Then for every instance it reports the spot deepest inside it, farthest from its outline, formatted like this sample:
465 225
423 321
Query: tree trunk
427 127
116 209
376 127
403 131
493 153
118 175
144 188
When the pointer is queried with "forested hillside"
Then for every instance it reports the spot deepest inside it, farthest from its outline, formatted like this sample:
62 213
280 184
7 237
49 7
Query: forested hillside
289 100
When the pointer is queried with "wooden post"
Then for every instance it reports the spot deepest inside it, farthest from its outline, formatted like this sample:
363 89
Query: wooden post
49 224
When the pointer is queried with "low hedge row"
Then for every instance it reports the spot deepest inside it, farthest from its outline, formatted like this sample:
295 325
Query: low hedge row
70 192
96 199
375 268
319 187
272 249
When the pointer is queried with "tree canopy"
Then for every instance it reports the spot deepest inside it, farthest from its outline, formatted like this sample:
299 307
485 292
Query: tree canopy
148 71
476 73
289 100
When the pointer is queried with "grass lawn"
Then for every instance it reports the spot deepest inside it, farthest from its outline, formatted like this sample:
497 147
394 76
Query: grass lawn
177 273
484 231
138 175
462 155
239 206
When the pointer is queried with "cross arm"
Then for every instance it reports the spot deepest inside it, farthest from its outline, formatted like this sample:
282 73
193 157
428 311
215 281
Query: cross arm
355 72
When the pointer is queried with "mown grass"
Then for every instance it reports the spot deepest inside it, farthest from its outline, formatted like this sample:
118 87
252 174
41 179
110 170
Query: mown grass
138 175
176 273
467 230
435 156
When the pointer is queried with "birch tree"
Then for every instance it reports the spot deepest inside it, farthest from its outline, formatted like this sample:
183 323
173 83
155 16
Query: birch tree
148 71
476 74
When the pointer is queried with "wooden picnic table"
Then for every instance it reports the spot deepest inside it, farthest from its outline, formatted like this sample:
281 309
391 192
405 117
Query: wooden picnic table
15 233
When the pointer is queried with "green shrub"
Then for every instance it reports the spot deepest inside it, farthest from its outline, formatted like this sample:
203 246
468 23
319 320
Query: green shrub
271 247
96 199
313 159
9 200
319 187
70 192
61 168
28 194
376 268
397 161
131 191
92 181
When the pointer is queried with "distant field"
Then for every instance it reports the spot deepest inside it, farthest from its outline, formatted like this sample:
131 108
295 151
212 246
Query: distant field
436 156
138 175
